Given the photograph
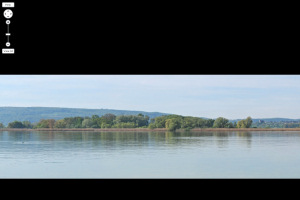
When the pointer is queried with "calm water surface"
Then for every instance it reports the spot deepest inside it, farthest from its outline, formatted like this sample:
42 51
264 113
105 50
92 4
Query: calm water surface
149 154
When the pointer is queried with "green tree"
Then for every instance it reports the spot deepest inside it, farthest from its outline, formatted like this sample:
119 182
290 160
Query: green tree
1 125
45 123
138 120
188 122
241 124
73 122
105 125
94 117
60 124
172 124
27 124
160 122
87 123
125 125
221 122
200 123
108 118
245 123
229 125
248 122
209 123
15 124
234 125
151 126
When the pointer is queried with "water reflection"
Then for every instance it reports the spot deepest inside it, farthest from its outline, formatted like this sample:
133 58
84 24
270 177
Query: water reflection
117 140
221 139
149 154
114 139
246 137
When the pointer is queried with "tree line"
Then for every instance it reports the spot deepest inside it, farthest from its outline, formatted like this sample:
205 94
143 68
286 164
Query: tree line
170 122
105 121
173 122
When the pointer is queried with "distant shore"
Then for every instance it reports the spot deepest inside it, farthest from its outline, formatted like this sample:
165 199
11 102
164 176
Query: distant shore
149 130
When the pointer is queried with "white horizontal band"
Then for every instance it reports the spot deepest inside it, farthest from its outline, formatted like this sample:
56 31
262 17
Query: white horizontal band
8 51
8 4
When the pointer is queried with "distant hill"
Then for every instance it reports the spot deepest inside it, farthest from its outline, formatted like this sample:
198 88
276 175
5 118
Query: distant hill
35 114
277 119
268 120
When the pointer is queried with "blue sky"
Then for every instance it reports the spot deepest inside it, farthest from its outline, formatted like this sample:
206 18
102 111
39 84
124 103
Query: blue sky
230 96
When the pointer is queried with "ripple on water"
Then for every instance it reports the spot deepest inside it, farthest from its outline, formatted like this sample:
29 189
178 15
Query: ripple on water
32 142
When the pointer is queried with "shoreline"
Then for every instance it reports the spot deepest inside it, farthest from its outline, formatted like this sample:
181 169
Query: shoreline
150 130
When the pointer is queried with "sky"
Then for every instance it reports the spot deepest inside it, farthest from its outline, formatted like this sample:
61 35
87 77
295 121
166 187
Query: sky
211 96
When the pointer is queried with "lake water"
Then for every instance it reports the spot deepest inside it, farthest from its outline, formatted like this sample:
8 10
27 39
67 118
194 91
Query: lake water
149 154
